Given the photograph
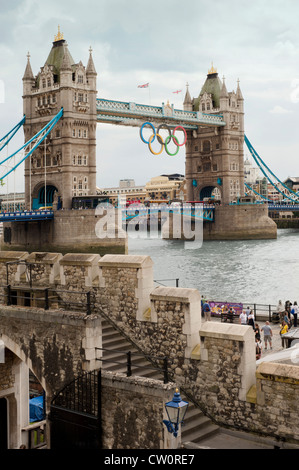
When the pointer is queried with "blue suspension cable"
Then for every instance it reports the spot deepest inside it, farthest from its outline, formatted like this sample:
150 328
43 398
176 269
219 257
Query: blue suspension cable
48 127
256 157
258 194
12 132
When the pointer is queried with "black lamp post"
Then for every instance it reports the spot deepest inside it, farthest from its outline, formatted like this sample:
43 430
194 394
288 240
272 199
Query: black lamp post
176 410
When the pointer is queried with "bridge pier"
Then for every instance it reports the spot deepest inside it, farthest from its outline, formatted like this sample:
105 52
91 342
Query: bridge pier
240 222
69 231
231 222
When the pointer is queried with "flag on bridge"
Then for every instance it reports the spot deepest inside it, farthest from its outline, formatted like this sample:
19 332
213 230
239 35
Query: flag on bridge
143 86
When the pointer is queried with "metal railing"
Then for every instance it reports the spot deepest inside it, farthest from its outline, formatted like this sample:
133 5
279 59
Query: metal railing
129 365
46 298
159 281
258 309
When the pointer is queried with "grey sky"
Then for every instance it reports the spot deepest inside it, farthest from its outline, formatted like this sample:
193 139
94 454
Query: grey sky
166 43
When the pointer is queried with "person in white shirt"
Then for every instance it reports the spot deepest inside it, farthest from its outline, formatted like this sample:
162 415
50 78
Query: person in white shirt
243 318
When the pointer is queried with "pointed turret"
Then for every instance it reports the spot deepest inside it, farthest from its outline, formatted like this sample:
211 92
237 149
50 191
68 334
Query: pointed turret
224 98
28 74
240 98
28 81
90 69
223 93
91 73
239 93
187 101
66 69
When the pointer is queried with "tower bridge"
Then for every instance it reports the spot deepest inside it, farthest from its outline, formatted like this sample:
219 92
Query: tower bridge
62 165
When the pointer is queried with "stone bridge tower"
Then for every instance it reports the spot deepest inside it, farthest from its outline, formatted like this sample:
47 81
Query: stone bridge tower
214 156
66 162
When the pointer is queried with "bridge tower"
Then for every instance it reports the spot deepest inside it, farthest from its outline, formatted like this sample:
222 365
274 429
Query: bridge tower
214 156
65 162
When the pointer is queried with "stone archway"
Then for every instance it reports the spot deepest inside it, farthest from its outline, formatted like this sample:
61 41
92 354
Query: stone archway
46 195
211 192
43 195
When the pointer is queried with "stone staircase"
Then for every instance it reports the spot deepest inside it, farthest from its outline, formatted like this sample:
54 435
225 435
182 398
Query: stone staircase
196 426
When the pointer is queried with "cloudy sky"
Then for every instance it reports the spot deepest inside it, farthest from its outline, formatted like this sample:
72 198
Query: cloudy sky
166 43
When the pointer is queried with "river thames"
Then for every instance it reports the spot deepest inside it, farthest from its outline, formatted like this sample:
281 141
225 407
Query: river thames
248 271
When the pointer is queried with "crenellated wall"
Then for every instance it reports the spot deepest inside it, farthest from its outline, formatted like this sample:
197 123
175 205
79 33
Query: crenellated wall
213 362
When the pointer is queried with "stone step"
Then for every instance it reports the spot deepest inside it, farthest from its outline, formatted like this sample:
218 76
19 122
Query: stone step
196 427
198 435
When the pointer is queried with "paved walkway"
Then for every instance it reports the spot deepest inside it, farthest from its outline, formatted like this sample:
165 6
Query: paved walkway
276 339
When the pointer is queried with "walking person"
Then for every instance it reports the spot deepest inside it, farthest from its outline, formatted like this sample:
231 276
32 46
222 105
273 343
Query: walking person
207 311
257 332
268 333
258 349
294 312
288 306
283 330
251 319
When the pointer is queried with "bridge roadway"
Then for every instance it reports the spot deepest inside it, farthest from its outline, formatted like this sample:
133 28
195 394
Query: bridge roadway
132 114
203 211
27 216
130 213
283 207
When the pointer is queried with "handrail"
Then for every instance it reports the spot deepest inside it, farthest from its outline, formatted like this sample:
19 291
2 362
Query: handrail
129 364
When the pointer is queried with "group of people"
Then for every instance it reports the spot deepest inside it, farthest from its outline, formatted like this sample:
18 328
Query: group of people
288 313
246 317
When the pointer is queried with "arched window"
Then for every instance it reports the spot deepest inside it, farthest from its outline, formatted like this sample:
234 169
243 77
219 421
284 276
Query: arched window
206 146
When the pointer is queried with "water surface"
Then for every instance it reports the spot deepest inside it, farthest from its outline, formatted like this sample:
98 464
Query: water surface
255 271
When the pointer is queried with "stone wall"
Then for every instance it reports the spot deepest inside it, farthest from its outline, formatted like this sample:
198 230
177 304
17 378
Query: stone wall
55 345
133 411
69 231
213 362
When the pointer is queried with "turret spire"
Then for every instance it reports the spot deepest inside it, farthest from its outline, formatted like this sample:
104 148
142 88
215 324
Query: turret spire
90 65
239 93
28 74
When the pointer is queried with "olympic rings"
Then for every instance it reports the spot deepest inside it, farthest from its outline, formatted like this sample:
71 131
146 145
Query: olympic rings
144 124
151 139
168 139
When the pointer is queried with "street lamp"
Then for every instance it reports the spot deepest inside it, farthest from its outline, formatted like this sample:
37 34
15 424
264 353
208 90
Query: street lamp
176 410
